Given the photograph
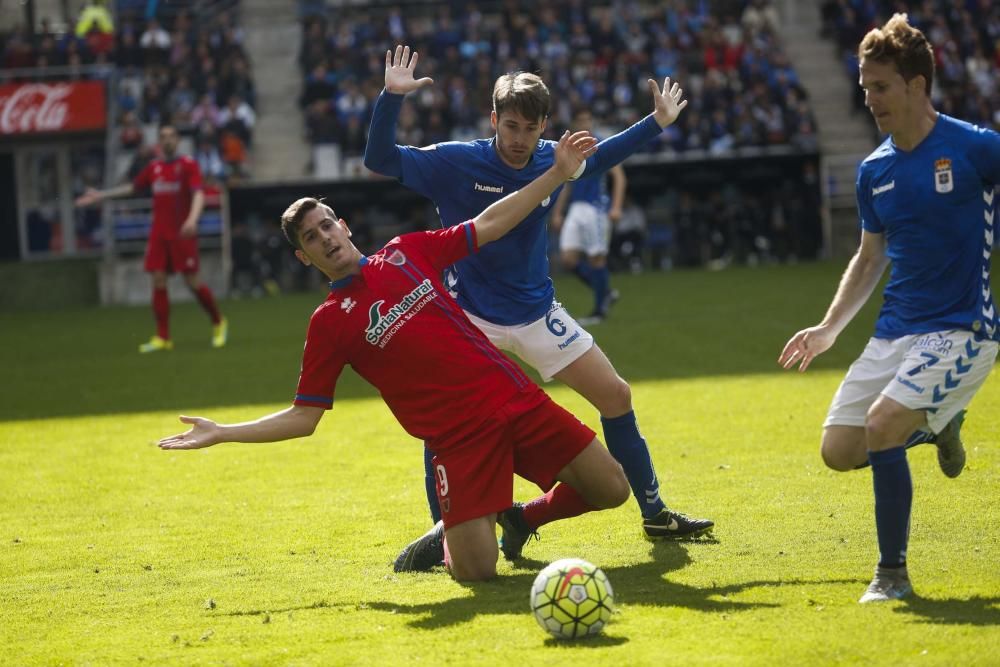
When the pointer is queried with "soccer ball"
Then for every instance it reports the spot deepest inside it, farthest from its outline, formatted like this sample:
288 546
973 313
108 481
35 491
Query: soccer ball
572 598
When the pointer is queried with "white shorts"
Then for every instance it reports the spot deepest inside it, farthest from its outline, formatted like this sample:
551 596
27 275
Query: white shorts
549 344
938 372
586 229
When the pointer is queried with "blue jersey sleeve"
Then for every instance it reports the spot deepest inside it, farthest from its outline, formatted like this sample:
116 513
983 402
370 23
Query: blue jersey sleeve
431 170
614 149
863 193
985 155
381 151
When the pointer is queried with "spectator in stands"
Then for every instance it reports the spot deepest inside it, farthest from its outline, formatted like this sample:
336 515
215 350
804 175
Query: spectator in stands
321 125
155 43
94 16
205 111
130 135
209 160
238 118
236 80
234 154
181 102
128 53
320 85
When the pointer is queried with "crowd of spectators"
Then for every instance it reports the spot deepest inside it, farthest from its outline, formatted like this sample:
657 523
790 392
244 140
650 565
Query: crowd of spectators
965 35
727 55
173 64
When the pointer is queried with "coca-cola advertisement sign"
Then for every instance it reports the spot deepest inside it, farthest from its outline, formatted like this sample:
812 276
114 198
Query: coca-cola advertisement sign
57 106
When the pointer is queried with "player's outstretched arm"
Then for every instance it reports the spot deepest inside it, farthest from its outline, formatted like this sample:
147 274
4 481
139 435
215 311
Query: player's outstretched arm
381 152
93 196
668 104
502 216
399 68
295 422
856 285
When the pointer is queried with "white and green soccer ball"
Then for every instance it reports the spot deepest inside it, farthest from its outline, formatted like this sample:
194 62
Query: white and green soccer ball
572 598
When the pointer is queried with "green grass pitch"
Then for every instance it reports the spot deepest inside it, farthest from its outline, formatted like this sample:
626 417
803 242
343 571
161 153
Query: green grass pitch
113 552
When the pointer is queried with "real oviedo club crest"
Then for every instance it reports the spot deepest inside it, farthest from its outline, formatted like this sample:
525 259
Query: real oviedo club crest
943 181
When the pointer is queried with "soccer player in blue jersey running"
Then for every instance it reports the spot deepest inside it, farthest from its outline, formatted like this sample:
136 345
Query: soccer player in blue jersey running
583 215
926 202
505 289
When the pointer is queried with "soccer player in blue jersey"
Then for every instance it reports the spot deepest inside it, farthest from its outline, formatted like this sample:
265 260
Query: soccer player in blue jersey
583 217
506 290
926 202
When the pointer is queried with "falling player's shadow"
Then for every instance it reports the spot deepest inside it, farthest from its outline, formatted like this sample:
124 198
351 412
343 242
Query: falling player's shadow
643 584
975 610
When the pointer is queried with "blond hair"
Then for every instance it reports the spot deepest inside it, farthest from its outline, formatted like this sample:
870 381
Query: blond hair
904 46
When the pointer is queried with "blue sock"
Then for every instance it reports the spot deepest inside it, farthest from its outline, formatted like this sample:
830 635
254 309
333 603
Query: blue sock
430 486
628 447
893 499
917 438
600 283
584 272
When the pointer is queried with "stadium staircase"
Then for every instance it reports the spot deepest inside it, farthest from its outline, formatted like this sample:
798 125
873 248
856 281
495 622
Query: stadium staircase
273 37
845 136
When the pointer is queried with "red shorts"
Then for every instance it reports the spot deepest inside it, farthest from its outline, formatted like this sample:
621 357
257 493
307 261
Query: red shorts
529 436
171 256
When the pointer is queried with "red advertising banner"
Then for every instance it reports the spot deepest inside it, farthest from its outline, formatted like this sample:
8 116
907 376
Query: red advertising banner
57 106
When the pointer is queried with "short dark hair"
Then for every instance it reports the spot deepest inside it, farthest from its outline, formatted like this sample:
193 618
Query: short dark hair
291 219
523 93
904 46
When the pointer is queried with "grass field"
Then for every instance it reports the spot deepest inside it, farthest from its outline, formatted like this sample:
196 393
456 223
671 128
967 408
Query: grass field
112 551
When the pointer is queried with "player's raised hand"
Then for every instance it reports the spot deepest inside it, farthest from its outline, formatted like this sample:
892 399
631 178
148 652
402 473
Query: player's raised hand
668 103
572 150
399 68
805 346
203 433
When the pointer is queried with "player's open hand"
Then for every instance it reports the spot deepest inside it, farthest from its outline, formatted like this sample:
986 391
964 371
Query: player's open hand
203 433
399 68
89 196
805 346
668 103
572 150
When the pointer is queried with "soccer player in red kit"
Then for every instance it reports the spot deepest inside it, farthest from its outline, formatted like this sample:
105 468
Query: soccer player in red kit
175 183
390 318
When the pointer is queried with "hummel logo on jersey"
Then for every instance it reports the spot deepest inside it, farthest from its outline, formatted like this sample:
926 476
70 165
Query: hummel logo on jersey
883 188
383 326
347 305
498 189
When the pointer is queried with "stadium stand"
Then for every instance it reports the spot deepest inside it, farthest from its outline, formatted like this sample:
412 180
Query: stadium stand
742 88
966 41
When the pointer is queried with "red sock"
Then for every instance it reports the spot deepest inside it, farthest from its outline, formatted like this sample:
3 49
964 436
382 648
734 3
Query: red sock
562 502
161 311
207 302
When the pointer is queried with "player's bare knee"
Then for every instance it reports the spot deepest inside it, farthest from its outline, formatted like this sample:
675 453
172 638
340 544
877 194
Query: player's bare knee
620 490
612 491
617 398
882 427
835 459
